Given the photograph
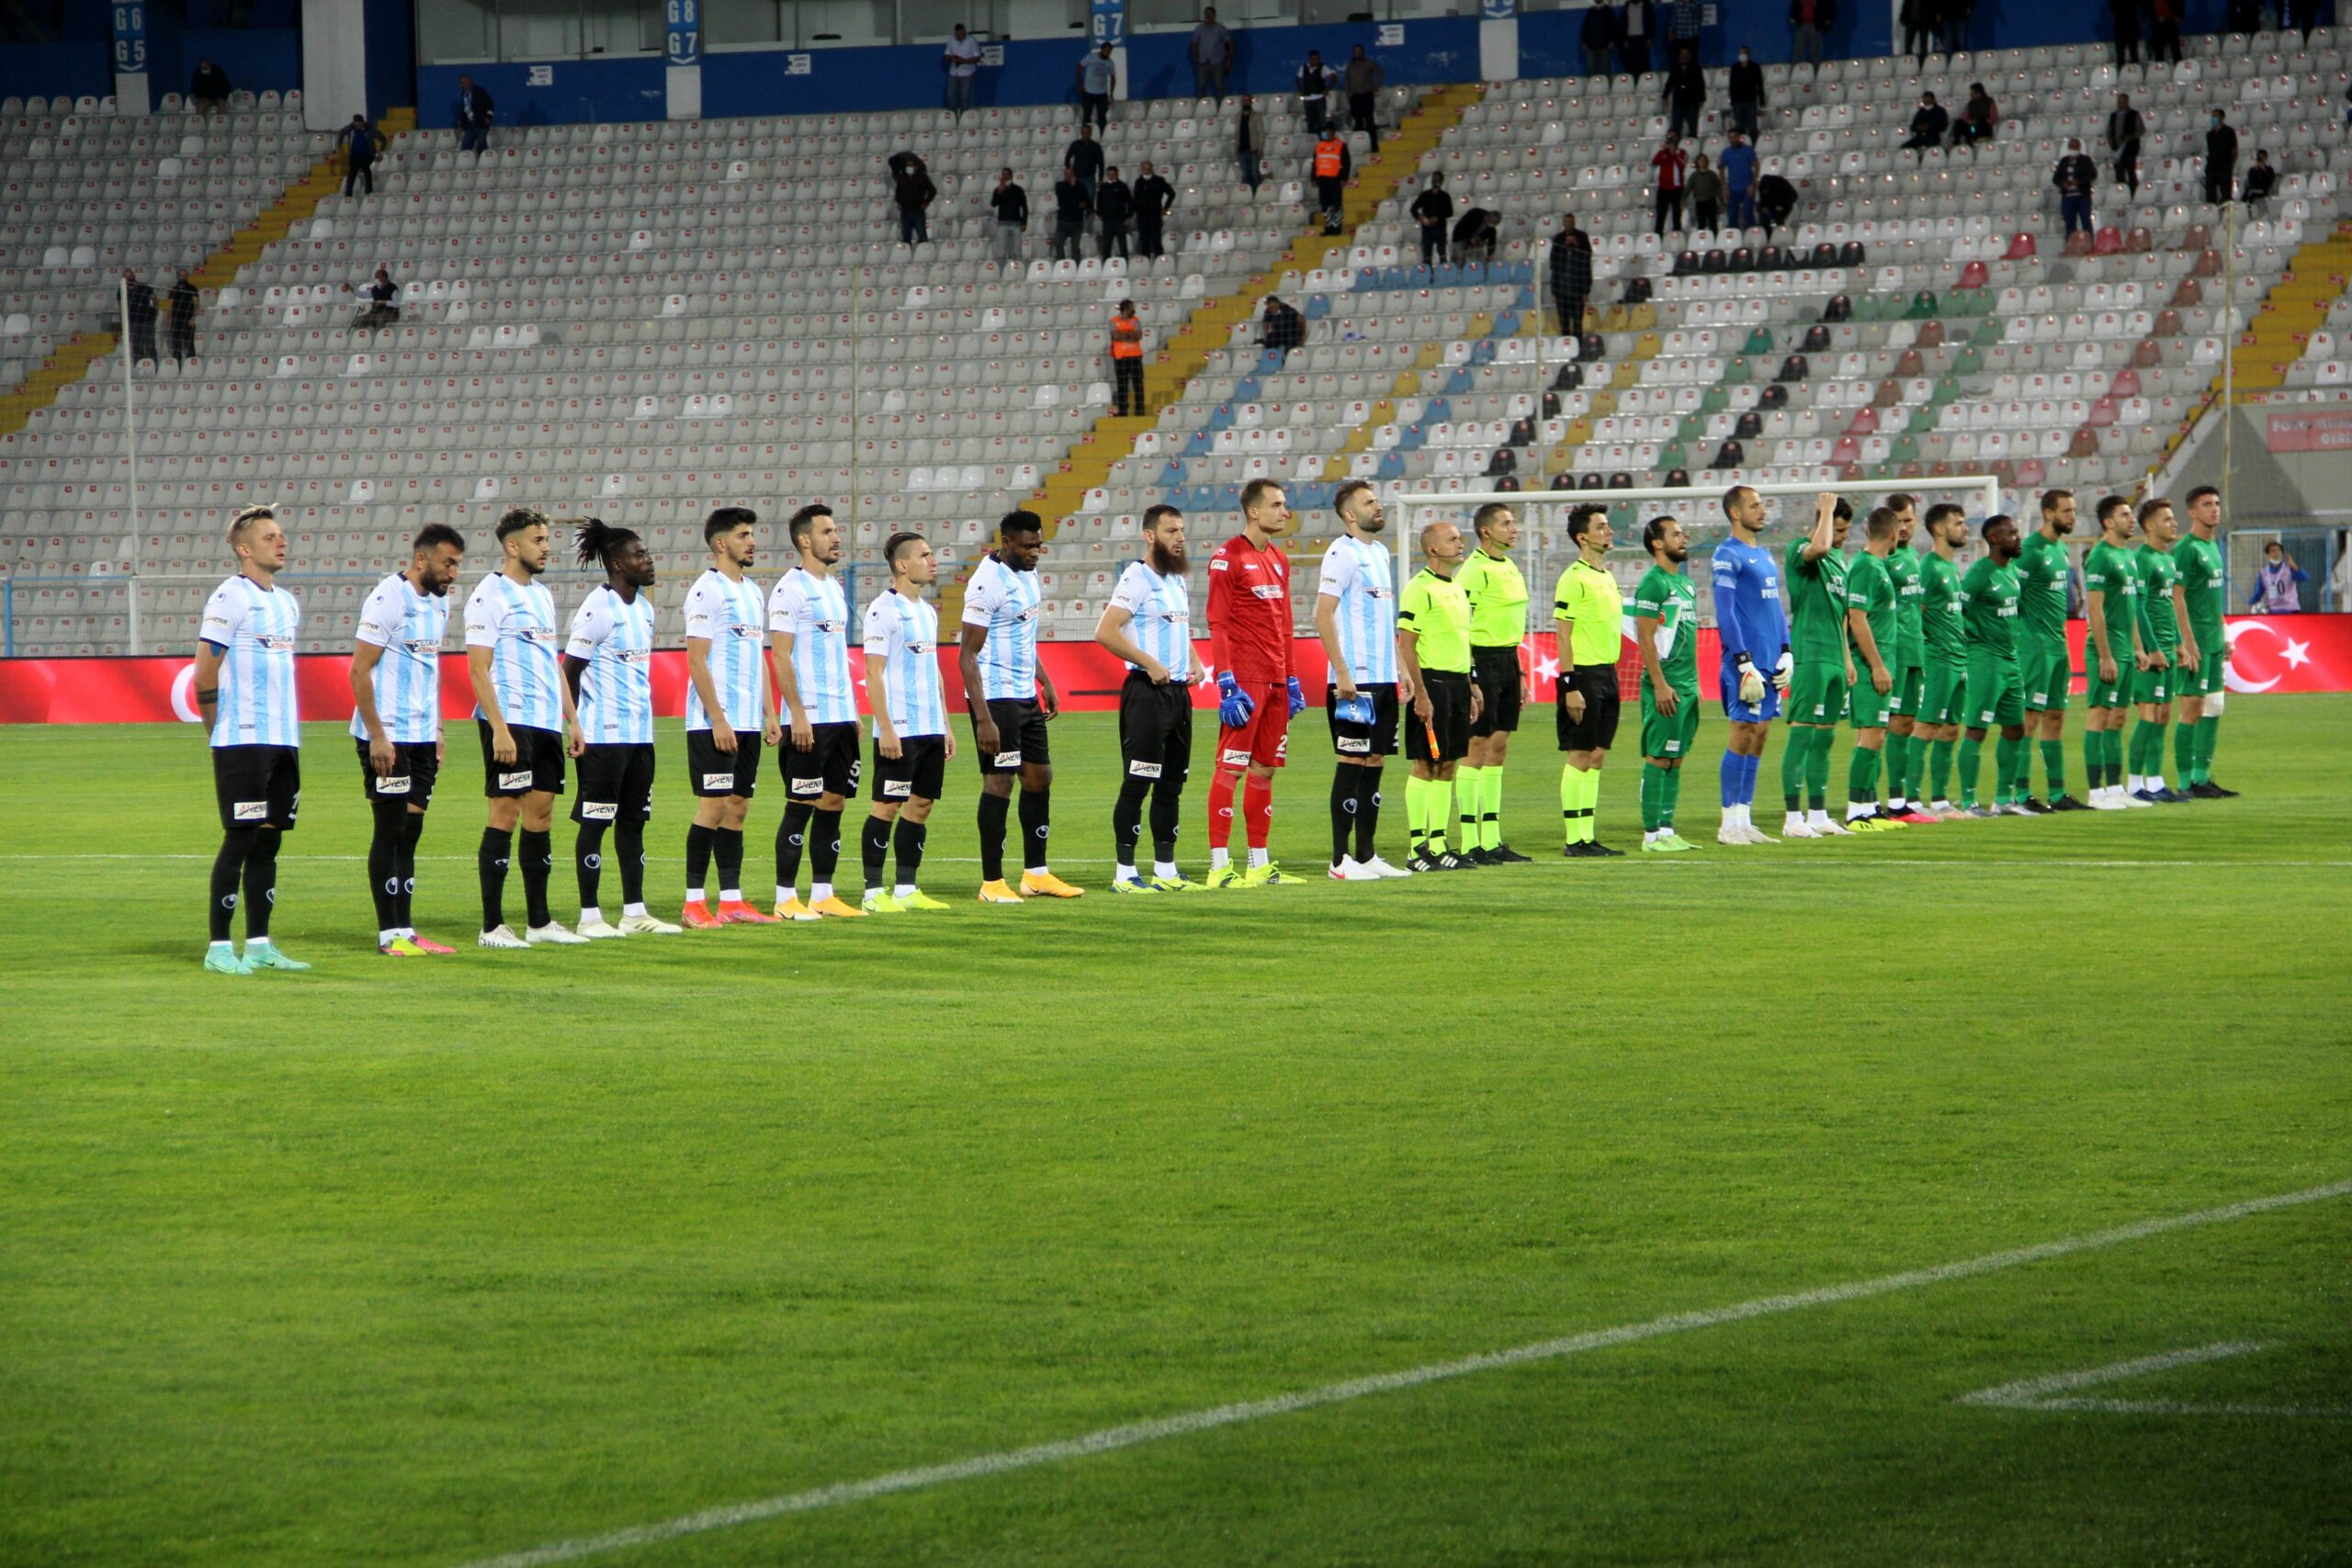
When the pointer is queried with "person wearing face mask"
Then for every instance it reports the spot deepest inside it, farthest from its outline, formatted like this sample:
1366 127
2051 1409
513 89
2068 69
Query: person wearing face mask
1746 93
2220 159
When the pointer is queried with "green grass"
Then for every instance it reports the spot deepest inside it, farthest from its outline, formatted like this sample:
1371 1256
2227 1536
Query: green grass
420 1263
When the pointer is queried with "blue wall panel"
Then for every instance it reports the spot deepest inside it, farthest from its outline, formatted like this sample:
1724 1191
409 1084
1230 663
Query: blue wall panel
78 68
577 91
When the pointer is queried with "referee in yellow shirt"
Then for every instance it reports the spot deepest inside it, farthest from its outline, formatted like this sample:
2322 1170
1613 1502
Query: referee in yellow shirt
1590 611
1498 665
1433 652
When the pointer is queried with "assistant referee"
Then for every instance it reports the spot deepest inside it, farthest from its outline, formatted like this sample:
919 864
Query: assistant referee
1498 663
1433 647
1590 609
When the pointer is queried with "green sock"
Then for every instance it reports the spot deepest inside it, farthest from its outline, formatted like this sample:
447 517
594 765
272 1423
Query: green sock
2116 749
2184 751
1915 777
2209 731
1465 802
1816 771
1939 770
2053 762
2005 765
1898 764
2095 756
1861 779
1971 764
1653 795
1490 805
1415 796
1672 785
2156 755
1793 749
1571 793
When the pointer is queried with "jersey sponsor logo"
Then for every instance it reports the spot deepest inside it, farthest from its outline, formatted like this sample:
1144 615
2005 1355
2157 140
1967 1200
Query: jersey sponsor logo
632 655
538 634
1359 743
718 780
742 630
1268 590
220 621
1143 769
1007 759
276 642
809 786
598 811
419 647
521 780
250 811
398 785
898 789
1235 756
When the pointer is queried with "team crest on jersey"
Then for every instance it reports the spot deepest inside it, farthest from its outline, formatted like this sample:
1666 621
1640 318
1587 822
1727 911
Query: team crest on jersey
392 785
521 780
1143 769
598 811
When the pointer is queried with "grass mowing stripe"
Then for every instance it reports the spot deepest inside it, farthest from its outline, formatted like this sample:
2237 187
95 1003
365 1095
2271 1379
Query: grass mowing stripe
1112 1438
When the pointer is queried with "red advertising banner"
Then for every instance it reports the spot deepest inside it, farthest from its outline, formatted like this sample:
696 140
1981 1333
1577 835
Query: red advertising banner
2268 653
2312 431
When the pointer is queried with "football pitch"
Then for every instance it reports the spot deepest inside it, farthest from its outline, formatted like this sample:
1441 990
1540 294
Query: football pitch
1980 1193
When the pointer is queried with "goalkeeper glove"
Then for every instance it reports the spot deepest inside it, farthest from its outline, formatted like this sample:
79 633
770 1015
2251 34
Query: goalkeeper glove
1297 698
1780 672
1234 706
1751 681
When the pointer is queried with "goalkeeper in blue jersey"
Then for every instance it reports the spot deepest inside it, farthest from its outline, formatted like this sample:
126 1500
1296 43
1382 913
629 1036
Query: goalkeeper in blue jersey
1754 630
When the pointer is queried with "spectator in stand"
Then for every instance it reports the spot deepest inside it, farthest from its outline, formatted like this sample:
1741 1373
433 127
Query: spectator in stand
2261 179
961 61
207 88
1776 203
911 188
1071 205
1809 25
1929 123
1600 39
1746 89
1434 210
1672 166
1475 233
1683 21
1155 198
1114 206
2124 129
1952 19
1282 329
1249 143
139 313
1314 91
1098 78
1010 205
383 303
361 143
1706 193
1571 275
1685 93
1738 166
183 300
1127 361
2123 16
2276 583
1364 76
1083 157
1978 118
2164 32
2074 177
1331 165
1636 23
2220 159
1212 53
475 110
1919 21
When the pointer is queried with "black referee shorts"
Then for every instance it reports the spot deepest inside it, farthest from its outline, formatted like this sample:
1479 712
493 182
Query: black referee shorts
1597 731
1444 736
1155 729
1497 672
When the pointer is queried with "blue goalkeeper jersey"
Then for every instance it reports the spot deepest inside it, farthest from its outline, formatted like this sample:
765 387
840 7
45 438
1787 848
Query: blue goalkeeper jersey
1749 616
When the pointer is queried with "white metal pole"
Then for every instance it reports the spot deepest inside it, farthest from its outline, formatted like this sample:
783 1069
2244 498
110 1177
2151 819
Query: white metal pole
131 446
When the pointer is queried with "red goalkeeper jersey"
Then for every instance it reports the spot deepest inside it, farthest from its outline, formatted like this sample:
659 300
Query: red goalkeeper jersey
1249 625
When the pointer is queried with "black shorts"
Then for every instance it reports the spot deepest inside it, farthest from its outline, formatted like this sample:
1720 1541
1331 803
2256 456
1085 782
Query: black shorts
713 773
1360 737
1495 670
1597 731
1155 729
415 767
1019 734
1444 736
830 766
257 786
918 773
616 785
538 766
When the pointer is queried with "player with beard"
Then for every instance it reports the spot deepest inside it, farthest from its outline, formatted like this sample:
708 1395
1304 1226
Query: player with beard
808 629
1988 618
1753 627
1355 617
1012 701
2111 651
1906 759
2200 684
396 721
2042 655
1944 697
1666 625
1822 672
608 664
1149 623
730 699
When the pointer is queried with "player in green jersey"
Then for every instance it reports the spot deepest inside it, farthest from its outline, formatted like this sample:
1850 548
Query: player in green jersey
1499 664
1814 567
1905 759
1988 617
2199 688
1666 625
2161 616
2111 653
1945 698
1871 638
2042 655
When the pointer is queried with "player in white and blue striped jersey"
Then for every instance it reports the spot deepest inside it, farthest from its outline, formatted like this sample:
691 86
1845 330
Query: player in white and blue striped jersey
608 664
728 699
524 711
1355 615
244 687
913 744
1149 623
1013 699
808 628
396 723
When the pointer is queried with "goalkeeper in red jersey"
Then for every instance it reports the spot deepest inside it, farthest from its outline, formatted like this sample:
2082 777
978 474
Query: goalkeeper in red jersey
1258 695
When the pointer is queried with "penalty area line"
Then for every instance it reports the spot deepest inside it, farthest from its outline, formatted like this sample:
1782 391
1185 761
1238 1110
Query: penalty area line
1111 1439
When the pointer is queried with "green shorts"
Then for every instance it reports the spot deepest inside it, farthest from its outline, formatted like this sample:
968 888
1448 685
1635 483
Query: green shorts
1864 705
1667 736
1994 693
2152 685
1817 693
2047 672
1946 697
2115 693
2206 679
1910 690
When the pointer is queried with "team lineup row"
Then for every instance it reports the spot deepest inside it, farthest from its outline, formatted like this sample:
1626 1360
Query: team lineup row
1948 658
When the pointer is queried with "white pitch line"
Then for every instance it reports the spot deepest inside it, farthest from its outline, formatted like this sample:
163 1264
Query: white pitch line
2031 1392
1110 1440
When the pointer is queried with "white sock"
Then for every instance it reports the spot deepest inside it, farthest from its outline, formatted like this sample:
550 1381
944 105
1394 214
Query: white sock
1899 806
819 891
694 895
1793 820
1856 810
1942 805
1126 869
386 938
1166 868
2136 783
591 917
1257 858
253 942
904 890
1036 871
1219 860
735 894
631 911
1817 819
1741 816
408 932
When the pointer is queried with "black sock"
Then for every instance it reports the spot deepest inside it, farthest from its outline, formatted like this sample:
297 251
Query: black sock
384 862
791 838
490 860
1167 816
911 837
1127 816
1036 806
404 912
588 861
261 883
824 844
727 851
993 809
698 839
628 848
1343 810
874 851
1367 813
228 871
538 865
